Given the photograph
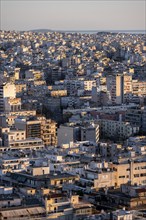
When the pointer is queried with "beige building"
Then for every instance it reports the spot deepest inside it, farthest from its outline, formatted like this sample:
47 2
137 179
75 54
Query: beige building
114 86
139 88
56 203
48 131
7 90
58 93
116 174
127 88
88 84
133 171
37 171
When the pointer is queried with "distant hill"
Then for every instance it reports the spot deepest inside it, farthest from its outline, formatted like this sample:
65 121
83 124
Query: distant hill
90 31
41 30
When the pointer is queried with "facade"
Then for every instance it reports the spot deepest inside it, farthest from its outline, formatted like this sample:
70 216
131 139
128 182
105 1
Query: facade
127 88
67 133
12 104
7 90
133 171
13 135
48 131
134 116
57 203
114 86
90 133
31 125
117 129
139 88
27 144
13 165
144 120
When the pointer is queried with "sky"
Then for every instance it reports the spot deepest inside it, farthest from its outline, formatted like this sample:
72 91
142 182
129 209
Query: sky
22 15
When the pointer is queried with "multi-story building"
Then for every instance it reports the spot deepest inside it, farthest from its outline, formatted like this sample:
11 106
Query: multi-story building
31 125
90 132
132 170
139 88
57 203
12 104
13 135
134 116
27 144
20 87
88 84
127 87
48 131
7 90
68 133
57 93
13 165
114 86
117 129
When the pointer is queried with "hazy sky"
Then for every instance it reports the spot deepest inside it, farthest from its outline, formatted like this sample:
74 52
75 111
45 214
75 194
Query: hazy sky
73 15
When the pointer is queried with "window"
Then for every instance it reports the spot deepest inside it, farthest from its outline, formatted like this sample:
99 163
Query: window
136 175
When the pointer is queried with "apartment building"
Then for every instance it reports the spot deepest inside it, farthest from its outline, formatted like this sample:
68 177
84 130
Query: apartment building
139 88
7 90
34 74
88 84
68 133
90 132
13 135
132 170
20 87
127 87
31 125
12 104
48 131
27 144
114 86
117 129
58 93
134 116
13 165
57 203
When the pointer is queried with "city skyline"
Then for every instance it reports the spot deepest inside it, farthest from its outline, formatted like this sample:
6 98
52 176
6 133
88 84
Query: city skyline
73 15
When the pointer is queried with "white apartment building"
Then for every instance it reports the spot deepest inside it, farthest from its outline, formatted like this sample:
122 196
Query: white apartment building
13 165
13 135
27 144
7 90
